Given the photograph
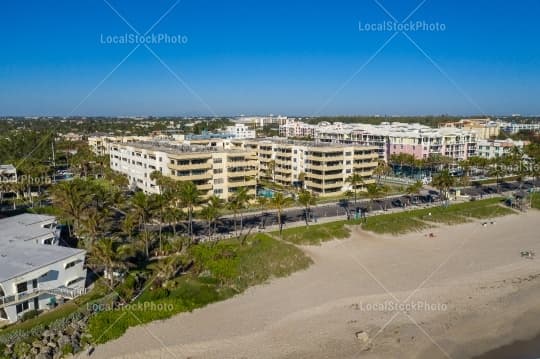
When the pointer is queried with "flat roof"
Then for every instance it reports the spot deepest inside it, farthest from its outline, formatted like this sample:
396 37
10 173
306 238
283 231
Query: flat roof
24 227
20 254
7 168
177 148
19 258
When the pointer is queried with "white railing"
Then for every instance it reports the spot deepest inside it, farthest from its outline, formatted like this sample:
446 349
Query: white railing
9 299
65 292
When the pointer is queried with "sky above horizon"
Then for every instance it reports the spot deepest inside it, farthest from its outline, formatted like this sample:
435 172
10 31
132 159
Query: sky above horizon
303 58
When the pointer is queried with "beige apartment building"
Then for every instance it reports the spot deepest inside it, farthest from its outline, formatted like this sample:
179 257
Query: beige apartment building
215 171
321 168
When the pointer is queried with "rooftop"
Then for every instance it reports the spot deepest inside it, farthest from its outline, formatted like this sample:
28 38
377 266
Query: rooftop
285 141
20 253
7 169
25 227
177 148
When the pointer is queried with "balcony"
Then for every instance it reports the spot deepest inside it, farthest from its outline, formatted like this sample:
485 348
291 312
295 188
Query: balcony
326 167
204 187
65 292
365 165
193 177
326 176
185 167
369 156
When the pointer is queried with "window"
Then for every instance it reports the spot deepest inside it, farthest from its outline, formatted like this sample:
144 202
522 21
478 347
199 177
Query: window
22 287
218 181
218 190
218 160
21 307
73 281
71 264
218 170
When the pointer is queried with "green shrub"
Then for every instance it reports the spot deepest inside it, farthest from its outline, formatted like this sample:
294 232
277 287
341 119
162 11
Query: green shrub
67 349
29 315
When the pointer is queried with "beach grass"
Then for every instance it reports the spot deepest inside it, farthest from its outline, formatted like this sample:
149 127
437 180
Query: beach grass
316 234
420 219
535 201
220 270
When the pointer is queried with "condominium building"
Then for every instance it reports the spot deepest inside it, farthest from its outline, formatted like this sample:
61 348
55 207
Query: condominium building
261 121
215 170
101 144
239 131
484 128
498 148
515 127
35 271
395 138
320 168
8 173
298 129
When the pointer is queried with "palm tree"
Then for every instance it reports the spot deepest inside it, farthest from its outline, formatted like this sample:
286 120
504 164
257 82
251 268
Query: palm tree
279 202
382 169
235 206
142 206
168 268
111 255
443 181
210 213
128 225
158 202
374 191
497 170
189 197
218 204
72 197
355 179
414 189
515 159
243 197
306 199
263 203
172 216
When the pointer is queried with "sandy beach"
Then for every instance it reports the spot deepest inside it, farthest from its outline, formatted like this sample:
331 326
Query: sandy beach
457 295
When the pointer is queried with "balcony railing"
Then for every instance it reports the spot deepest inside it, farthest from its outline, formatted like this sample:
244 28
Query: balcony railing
65 292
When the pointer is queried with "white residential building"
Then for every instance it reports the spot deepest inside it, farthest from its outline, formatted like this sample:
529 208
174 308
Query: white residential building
35 272
515 127
396 137
484 128
320 168
239 131
101 144
297 129
213 169
8 173
498 148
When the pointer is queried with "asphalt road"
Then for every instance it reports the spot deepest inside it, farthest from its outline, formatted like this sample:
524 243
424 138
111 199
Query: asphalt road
254 221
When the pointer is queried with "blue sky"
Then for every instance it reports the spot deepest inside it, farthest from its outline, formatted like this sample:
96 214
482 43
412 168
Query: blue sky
261 57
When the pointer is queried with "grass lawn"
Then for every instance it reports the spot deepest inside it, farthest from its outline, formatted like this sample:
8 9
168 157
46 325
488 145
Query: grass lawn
315 234
416 220
536 200
220 271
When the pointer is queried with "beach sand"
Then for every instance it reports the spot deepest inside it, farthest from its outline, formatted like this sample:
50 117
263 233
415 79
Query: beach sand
481 293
